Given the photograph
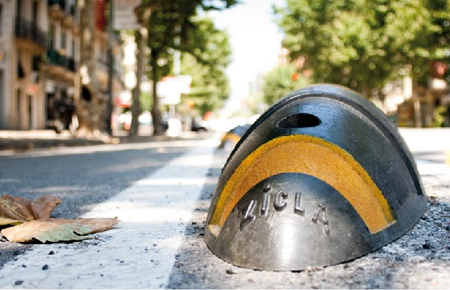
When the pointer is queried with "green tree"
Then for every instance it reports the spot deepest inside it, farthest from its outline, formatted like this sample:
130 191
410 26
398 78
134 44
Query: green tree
206 63
361 44
280 81
171 26
440 11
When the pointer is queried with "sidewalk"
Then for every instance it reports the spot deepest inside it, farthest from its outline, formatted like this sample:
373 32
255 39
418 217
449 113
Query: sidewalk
37 139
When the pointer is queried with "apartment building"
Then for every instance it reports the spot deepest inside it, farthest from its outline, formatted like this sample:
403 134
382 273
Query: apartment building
39 55
23 39
101 53
58 65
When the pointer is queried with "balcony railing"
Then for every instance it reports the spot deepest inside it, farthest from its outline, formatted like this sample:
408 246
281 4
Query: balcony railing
30 31
55 58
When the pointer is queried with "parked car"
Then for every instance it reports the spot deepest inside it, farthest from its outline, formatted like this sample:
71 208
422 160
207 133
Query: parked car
144 119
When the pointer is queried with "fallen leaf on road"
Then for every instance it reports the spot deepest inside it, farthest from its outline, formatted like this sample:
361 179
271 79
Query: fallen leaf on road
30 221
44 205
58 230
17 210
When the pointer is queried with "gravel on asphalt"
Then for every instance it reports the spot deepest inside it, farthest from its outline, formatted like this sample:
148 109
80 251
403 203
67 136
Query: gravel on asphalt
419 259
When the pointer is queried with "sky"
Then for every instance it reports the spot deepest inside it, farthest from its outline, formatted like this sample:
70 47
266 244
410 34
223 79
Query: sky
255 40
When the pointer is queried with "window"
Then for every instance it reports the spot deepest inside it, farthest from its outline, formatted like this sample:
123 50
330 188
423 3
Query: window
18 9
73 49
72 5
20 71
51 36
34 13
36 61
63 39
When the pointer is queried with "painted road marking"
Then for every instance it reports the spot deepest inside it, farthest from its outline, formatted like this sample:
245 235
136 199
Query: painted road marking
140 251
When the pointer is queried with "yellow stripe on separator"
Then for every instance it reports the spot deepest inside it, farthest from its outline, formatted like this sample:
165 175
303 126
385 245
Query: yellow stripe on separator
313 156
231 136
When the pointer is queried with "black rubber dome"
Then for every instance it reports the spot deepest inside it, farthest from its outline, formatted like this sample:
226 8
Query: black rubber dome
321 178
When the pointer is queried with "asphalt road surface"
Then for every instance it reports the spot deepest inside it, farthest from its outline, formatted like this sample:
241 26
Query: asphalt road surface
161 193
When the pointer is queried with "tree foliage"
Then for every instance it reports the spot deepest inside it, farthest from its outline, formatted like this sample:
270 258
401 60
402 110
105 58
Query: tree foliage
280 81
363 44
440 11
206 63
172 26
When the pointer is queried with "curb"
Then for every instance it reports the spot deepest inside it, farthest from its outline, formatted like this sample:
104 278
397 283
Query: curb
17 141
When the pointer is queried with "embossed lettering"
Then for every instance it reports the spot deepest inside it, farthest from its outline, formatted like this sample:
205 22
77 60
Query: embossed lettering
249 217
321 216
280 200
298 204
265 204
262 207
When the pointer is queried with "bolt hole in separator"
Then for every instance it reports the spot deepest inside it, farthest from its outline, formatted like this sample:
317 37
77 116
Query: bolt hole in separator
322 177
301 120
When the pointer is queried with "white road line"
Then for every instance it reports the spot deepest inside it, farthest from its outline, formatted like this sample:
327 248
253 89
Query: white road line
427 168
78 150
140 251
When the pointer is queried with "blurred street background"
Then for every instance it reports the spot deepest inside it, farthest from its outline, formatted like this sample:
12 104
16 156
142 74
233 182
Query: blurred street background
102 101
150 67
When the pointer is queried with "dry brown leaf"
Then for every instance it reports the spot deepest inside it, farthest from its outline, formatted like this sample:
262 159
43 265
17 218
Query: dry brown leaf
58 230
44 205
16 210
9 222
31 221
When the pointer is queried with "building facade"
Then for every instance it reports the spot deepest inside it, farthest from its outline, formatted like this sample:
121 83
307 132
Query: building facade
39 55
22 43
58 67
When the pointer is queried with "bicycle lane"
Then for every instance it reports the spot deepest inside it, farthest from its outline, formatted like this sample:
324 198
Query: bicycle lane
140 251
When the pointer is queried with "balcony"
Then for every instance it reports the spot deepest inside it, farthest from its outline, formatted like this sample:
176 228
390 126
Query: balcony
55 58
30 34
58 66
